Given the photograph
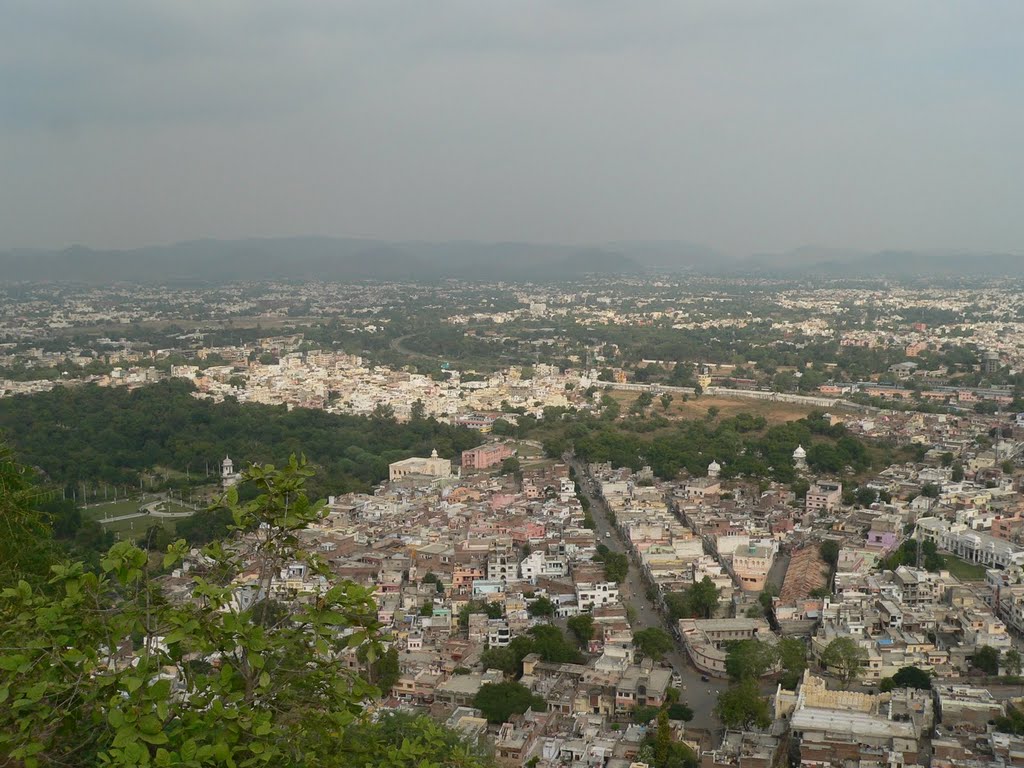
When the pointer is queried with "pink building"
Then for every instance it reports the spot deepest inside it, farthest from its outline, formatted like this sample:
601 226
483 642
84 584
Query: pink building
486 456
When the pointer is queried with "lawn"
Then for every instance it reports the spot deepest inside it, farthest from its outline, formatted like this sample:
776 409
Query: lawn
111 509
963 570
134 527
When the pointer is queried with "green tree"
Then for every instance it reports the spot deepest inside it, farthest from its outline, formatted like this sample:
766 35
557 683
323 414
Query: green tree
550 643
281 693
1012 722
703 597
912 677
491 610
511 466
829 551
666 400
1012 662
616 566
662 739
582 628
25 550
653 642
418 411
793 660
499 701
845 658
644 715
866 496
382 412
986 658
742 706
403 740
542 606
750 659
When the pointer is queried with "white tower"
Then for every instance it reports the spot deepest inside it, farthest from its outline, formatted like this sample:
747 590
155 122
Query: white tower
800 458
228 476
714 469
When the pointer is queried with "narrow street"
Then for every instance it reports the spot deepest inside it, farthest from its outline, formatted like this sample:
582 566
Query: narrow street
700 696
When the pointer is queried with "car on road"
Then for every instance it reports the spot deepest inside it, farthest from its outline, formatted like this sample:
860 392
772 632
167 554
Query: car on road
704 679
607 534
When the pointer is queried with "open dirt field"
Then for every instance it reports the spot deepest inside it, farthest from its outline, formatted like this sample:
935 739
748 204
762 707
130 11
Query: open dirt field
773 412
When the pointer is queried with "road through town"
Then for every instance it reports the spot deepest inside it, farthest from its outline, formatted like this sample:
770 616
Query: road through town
701 696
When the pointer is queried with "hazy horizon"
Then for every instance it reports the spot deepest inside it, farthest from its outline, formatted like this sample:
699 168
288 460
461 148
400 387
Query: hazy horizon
746 128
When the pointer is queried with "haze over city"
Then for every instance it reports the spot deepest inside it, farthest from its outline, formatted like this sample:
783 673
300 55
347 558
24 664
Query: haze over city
749 128
577 384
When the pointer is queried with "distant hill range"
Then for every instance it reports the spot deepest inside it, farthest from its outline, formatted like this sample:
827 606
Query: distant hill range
324 258
833 262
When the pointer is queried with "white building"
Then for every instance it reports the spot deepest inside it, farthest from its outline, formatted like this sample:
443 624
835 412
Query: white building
432 467
228 476
540 565
590 595
970 545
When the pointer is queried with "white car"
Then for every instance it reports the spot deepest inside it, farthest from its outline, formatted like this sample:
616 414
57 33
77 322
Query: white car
607 534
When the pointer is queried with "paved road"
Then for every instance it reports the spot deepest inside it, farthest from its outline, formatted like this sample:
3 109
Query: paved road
701 696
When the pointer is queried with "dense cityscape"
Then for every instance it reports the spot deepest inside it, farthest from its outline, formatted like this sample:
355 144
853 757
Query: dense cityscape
511 385
755 520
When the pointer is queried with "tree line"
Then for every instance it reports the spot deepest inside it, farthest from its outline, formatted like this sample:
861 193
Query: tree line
112 435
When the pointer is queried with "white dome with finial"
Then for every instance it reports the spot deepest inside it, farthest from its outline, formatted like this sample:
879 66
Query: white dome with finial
799 453
714 468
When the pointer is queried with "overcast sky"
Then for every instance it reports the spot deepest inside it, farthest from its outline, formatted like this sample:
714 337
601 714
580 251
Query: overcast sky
747 126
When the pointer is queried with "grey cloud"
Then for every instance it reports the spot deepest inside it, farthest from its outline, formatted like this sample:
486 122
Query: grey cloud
749 126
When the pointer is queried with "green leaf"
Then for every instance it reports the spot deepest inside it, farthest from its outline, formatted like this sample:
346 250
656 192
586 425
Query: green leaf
35 693
149 724
264 679
263 728
161 689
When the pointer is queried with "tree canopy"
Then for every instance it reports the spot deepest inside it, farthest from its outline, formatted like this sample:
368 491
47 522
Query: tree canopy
845 658
700 600
653 642
112 435
907 677
103 668
743 706
582 628
499 701
750 659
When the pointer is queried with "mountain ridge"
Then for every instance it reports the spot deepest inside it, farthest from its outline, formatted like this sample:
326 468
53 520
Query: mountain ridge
357 259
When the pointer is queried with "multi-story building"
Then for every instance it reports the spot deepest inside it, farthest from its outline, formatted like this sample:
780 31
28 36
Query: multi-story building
751 566
823 497
592 594
486 456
